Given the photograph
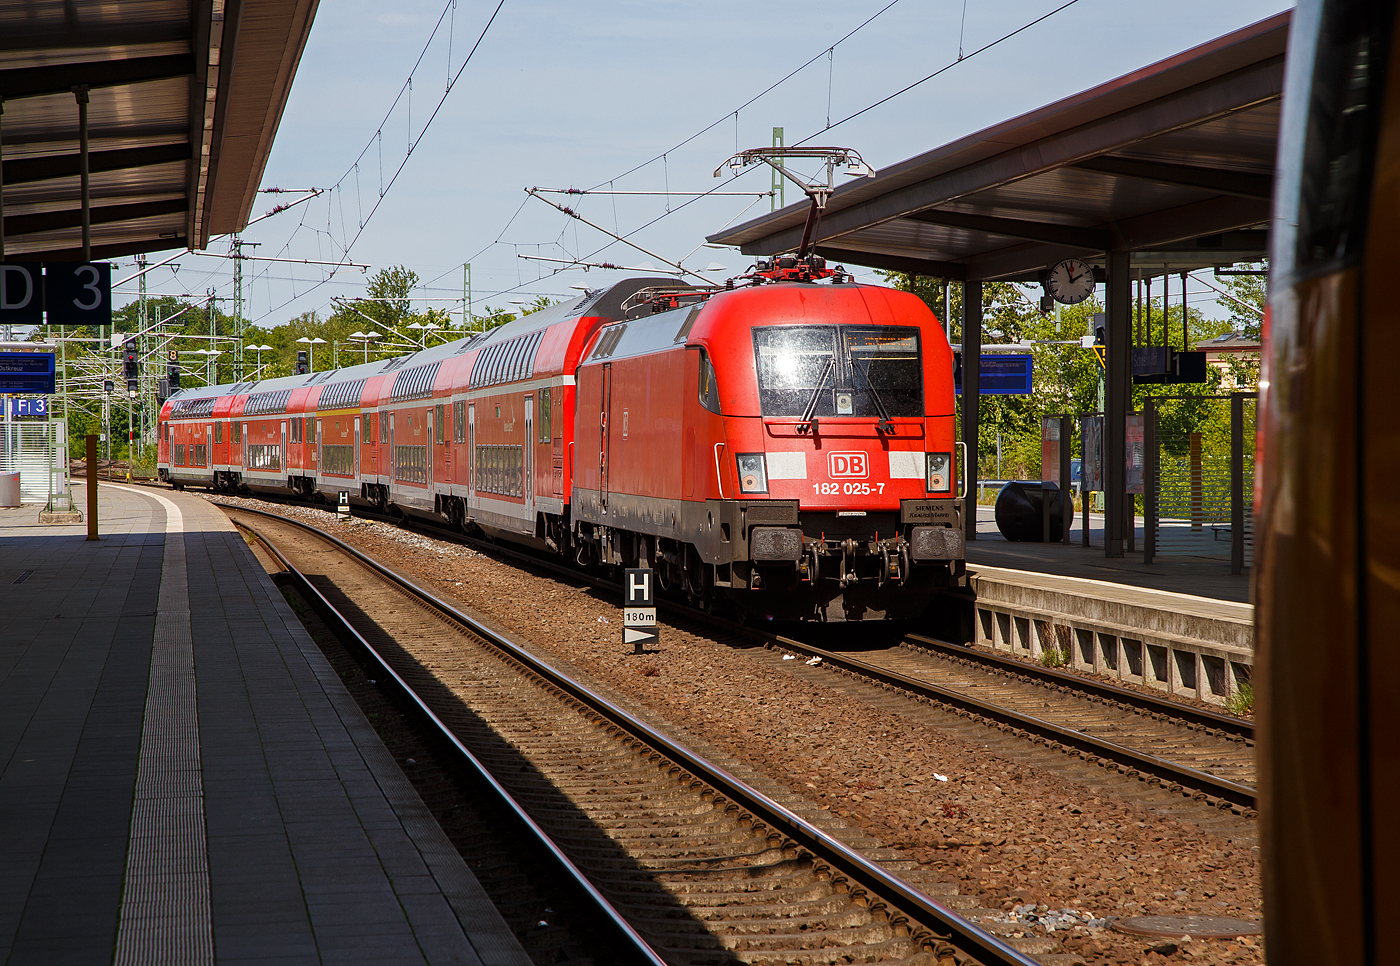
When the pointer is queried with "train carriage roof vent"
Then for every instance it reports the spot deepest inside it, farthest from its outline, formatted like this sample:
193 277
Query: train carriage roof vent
194 408
267 403
415 383
395 362
507 361
341 395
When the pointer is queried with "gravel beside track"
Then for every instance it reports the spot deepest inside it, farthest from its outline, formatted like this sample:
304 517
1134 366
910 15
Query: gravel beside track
979 819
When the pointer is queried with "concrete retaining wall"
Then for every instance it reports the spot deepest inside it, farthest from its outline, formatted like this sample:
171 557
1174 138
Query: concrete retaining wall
1180 644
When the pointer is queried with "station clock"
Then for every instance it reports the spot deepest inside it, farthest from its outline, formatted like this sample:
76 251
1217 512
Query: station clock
1070 281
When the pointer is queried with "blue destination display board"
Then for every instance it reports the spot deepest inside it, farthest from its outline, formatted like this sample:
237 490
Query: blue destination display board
26 372
1002 374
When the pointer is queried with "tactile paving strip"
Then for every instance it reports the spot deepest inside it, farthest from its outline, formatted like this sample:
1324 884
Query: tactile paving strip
165 912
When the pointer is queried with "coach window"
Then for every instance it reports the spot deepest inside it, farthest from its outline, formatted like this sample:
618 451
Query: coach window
384 427
238 432
439 425
709 386
546 434
218 432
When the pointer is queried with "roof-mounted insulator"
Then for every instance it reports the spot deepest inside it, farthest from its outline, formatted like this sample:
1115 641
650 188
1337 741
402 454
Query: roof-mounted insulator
790 268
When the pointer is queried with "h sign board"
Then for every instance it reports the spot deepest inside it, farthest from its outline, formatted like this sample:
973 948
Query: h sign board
639 608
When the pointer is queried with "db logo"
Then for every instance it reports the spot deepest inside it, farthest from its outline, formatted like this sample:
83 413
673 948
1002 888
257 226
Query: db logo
851 466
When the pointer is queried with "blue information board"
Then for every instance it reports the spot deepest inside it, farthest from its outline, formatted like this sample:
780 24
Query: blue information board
1001 374
27 372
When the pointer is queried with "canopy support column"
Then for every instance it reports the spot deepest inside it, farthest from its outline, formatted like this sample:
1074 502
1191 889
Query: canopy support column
1117 398
971 396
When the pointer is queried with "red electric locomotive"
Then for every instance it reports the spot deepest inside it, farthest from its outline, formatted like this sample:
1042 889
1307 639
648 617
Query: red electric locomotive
784 444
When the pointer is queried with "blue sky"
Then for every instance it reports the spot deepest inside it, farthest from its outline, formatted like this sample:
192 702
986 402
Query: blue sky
575 94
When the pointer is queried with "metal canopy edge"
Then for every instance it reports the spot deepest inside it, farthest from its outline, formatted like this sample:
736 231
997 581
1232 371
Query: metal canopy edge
1158 163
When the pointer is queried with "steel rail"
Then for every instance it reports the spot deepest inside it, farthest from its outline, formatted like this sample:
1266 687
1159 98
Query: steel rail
983 945
1236 794
638 950
1243 796
1237 727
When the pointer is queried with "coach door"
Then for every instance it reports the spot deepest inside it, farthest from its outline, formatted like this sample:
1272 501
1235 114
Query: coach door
319 435
356 442
473 464
604 435
528 461
282 456
393 454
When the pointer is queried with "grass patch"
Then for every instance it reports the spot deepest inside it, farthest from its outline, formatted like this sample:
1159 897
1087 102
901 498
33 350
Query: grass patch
1053 657
1242 701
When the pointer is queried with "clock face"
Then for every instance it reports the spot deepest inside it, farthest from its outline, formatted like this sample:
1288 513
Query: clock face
1071 281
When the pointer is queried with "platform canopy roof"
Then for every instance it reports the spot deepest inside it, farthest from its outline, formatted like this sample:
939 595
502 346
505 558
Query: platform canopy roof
1173 163
185 98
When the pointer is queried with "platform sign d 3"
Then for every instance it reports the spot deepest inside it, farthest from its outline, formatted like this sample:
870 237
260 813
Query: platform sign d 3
72 293
639 608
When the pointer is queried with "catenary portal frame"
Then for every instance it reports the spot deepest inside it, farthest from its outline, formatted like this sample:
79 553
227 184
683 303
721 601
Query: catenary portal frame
1169 168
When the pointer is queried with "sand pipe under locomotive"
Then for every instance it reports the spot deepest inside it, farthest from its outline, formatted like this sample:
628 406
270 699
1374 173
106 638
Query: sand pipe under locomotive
784 445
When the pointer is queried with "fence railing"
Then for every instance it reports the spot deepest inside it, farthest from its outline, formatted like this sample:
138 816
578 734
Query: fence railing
1199 477
38 450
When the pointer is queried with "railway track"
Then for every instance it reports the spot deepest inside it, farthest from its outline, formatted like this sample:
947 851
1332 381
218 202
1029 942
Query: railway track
696 865
1181 748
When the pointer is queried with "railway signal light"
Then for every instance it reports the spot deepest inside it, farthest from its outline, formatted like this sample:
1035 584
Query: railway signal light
131 367
301 362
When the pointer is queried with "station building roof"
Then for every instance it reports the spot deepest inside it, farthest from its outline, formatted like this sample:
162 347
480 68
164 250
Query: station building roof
185 98
1173 163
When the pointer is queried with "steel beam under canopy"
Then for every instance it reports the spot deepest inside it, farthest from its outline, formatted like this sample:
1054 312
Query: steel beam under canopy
183 101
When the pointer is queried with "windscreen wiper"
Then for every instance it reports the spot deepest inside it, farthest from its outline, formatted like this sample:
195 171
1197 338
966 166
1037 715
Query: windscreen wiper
885 426
807 417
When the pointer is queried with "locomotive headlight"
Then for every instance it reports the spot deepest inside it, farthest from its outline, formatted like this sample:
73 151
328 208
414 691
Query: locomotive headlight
753 473
940 477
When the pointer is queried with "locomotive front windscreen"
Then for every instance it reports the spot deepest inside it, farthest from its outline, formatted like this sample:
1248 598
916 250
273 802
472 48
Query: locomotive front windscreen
847 370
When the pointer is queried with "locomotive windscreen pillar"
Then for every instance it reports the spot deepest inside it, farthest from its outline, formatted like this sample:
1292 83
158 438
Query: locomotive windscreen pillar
1117 394
971 399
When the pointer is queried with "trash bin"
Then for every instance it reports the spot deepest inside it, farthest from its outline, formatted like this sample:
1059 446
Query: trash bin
9 489
1018 511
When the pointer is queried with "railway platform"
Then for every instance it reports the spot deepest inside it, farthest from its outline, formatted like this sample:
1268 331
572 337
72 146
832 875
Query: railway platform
1183 625
183 778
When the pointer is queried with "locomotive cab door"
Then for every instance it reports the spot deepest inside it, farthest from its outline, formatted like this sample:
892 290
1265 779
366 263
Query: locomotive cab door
527 468
604 435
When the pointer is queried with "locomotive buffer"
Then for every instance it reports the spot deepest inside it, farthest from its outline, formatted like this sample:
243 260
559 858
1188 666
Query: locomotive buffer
639 609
